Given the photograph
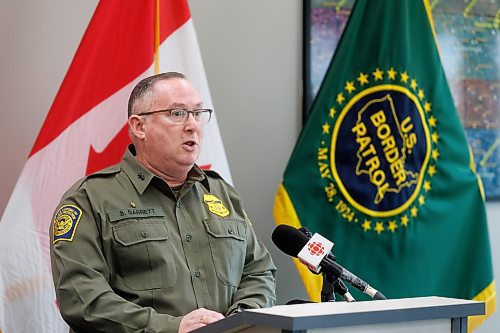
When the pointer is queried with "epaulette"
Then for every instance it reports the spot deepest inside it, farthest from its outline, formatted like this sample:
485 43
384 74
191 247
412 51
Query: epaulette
212 174
114 169
104 173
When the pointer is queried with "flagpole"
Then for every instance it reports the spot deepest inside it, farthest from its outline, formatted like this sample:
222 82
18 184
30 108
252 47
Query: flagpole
157 36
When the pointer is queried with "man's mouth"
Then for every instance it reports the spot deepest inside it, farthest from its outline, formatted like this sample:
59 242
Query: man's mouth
190 143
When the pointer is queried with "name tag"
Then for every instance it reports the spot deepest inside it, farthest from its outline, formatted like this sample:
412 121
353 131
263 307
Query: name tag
130 213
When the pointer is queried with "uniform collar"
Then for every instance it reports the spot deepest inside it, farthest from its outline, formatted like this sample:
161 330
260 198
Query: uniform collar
142 177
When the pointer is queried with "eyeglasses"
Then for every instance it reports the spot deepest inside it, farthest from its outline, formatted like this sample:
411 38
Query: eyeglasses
180 116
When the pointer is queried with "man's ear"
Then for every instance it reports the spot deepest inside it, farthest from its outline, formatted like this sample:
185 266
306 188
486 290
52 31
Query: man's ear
136 125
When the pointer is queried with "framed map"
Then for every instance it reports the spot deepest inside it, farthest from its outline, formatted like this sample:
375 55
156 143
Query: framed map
468 34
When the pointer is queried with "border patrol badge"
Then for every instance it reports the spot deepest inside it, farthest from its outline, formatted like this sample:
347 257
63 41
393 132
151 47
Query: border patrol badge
65 222
215 205
378 150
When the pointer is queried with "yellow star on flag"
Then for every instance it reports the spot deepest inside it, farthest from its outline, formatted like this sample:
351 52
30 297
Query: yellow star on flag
421 200
435 137
326 128
414 211
413 84
392 73
435 154
404 77
366 225
362 78
379 227
427 106
427 186
432 170
421 93
349 86
432 121
404 221
340 98
332 112
378 74
392 226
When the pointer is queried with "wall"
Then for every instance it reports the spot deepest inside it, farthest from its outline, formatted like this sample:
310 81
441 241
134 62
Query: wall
257 98
252 56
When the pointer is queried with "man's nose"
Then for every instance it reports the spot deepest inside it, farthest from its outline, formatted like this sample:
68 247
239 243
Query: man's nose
191 123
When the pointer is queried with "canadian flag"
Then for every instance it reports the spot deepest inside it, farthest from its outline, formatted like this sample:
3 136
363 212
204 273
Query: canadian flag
85 130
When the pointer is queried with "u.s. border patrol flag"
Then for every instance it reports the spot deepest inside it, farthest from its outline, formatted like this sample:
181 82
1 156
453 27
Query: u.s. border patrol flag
85 130
382 166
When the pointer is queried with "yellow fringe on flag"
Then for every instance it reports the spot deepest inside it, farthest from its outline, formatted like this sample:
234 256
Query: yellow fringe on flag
488 295
284 213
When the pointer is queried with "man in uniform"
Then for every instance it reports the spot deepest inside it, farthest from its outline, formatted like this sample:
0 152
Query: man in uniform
155 244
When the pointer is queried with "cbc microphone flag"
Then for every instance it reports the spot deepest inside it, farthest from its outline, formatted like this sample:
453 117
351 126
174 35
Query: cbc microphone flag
85 130
382 166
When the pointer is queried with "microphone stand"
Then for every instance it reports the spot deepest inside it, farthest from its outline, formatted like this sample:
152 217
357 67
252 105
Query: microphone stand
341 289
328 290
332 285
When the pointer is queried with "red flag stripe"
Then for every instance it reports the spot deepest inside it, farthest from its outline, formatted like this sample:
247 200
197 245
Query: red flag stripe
171 19
117 27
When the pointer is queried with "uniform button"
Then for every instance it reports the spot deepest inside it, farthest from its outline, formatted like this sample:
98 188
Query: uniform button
178 205
197 273
188 238
144 234
230 230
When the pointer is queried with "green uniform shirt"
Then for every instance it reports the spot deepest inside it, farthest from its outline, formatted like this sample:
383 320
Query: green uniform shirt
128 256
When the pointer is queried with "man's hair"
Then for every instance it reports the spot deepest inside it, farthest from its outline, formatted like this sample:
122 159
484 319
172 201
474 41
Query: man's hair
144 88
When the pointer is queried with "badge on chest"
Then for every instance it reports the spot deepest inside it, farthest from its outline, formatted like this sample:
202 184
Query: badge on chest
215 205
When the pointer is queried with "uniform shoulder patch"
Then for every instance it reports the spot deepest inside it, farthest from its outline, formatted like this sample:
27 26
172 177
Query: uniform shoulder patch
65 222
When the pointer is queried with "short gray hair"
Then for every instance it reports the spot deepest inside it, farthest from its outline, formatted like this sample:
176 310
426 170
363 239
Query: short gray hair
145 88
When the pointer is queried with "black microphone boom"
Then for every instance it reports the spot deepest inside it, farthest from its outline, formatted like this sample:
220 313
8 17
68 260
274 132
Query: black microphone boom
290 240
339 271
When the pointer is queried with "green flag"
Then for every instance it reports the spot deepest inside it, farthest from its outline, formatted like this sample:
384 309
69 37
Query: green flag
382 167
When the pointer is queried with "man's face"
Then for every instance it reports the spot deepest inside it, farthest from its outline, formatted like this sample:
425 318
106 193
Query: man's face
169 147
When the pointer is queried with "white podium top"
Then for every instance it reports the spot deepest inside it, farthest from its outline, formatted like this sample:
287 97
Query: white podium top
339 308
310 316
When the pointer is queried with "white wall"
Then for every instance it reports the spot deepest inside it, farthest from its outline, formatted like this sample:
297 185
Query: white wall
252 55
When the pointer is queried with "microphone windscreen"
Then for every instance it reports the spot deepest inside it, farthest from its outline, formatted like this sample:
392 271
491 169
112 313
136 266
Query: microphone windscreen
306 232
289 239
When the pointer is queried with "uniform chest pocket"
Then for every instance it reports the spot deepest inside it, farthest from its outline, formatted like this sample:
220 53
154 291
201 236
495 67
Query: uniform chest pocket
227 240
144 253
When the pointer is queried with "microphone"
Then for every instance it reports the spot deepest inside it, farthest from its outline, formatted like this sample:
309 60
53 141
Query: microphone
291 241
309 234
338 285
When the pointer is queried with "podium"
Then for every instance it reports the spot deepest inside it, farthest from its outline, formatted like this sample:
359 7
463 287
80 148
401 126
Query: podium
408 315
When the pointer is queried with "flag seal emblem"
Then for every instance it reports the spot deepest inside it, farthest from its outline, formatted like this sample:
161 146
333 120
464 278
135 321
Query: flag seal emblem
215 205
378 150
65 222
